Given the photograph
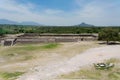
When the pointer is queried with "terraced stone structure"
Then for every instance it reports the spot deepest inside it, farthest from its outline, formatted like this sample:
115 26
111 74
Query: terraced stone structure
46 38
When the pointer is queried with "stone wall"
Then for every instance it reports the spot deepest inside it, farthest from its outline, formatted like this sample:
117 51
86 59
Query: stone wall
8 42
44 38
48 38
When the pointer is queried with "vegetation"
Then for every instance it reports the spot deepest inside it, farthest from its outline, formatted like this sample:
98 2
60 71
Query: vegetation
50 46
92 73
13 29
10 76
25 52
1 32
109 34
15 50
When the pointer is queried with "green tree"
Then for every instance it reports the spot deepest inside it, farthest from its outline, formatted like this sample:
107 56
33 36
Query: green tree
1 31
109 34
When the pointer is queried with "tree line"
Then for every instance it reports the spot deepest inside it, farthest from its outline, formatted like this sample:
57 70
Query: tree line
14 29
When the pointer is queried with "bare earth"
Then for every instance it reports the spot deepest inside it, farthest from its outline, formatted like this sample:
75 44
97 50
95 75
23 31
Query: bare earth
57 67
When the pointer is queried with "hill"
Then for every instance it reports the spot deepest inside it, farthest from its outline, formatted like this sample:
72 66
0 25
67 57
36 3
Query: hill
5 21
85 25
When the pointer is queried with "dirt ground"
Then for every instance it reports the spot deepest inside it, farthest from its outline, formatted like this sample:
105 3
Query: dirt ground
42 57
44 64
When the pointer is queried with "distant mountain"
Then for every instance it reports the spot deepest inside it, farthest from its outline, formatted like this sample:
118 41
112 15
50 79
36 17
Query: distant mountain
5 21
29 23
85 25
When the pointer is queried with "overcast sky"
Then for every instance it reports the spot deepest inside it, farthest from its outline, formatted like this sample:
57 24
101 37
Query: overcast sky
62 12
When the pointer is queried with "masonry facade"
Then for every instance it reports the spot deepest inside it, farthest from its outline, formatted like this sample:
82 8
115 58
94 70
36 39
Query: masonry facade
45 38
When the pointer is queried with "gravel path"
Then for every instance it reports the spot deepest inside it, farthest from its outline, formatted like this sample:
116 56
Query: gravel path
64 66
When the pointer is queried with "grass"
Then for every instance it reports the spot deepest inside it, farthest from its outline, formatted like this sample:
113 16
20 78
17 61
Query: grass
112 60
12 51
28 57
114 76
92 73
83 74
10 76
80 47
41 52
25 52
50 46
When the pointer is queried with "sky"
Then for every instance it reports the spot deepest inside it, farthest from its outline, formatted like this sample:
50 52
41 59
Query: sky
62 12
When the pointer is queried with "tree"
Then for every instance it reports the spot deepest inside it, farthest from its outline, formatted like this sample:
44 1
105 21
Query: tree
109 34
1 32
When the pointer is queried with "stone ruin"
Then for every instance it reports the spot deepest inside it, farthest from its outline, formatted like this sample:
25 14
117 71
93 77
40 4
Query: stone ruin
8 42
48 38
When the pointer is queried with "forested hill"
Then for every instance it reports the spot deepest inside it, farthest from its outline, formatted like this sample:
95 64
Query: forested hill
13 29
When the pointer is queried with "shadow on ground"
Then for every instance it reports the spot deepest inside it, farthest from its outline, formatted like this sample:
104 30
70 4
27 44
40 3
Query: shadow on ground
110 43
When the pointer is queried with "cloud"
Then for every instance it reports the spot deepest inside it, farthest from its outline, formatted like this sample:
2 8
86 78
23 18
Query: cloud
98 12
53 12
11 5
10 9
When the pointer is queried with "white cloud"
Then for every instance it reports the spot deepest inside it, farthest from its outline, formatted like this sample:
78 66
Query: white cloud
11 5
10 9
99 12
53 12
95 12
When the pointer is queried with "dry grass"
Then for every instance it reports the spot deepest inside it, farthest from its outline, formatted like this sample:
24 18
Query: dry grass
10 76
72 49
20 58
91 73
25 52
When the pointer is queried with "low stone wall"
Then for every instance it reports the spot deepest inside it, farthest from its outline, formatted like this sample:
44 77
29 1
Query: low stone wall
53 39
48 38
